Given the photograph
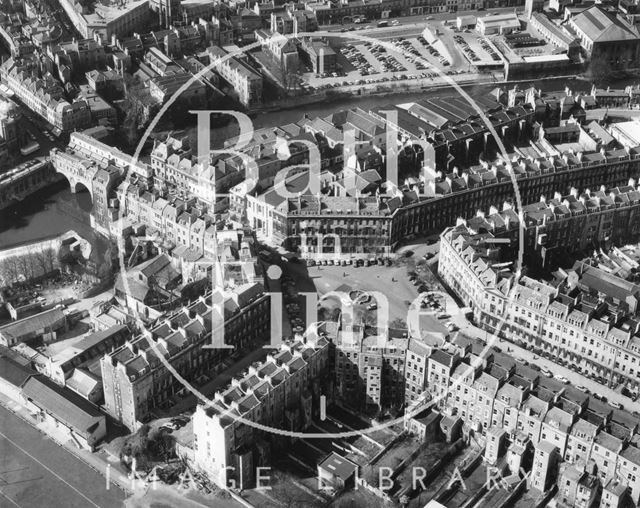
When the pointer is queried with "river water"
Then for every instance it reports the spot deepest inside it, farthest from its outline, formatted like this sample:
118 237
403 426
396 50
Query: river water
55 209
48 212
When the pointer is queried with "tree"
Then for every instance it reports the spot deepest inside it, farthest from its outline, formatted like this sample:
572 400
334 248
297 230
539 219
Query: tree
12 268
289 75
136 446
163 445
24 266
41 260
398 323
599 70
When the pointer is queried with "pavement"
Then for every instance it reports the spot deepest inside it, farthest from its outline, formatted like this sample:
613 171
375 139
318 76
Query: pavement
418 20
40 466
459 318
575 378
162 496
36 471
408 27
398 290
221 380
392 282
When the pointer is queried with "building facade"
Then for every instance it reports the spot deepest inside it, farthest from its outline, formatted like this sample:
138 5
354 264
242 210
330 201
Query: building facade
135 380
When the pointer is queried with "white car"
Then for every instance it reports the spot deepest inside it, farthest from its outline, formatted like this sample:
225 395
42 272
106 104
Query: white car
616 405
561 378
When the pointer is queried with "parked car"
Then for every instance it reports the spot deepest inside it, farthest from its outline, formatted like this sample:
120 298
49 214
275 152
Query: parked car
616 405
582 388
561 378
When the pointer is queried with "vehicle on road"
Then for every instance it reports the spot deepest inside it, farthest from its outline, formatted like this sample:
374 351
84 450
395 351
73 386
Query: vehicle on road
34 146
452 327
546 372
616 405
582 388
561 378
382 24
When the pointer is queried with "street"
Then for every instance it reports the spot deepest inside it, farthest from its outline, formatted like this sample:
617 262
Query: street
575 378
404 21
35 471
459 319
219 381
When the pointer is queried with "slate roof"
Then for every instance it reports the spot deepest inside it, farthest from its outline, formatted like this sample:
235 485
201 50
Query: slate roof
602 27
33 323
66 406
14 373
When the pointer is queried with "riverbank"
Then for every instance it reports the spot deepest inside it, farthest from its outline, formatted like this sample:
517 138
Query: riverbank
49 212
34 260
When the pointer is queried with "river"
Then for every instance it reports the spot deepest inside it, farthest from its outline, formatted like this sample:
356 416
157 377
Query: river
48 212
55 209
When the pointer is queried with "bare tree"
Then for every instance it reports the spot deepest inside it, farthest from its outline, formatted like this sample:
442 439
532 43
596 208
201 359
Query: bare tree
11 269
24 267
5 276
289 75
41 259
51 258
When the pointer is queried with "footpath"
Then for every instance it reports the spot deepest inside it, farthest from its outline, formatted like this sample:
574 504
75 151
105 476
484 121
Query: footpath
99 462
139 495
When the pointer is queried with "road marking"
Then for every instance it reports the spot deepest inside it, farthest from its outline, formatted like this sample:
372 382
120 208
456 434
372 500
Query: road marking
9 499
48 468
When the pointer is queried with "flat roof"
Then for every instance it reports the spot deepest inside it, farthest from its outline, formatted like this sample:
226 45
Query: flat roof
338 466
